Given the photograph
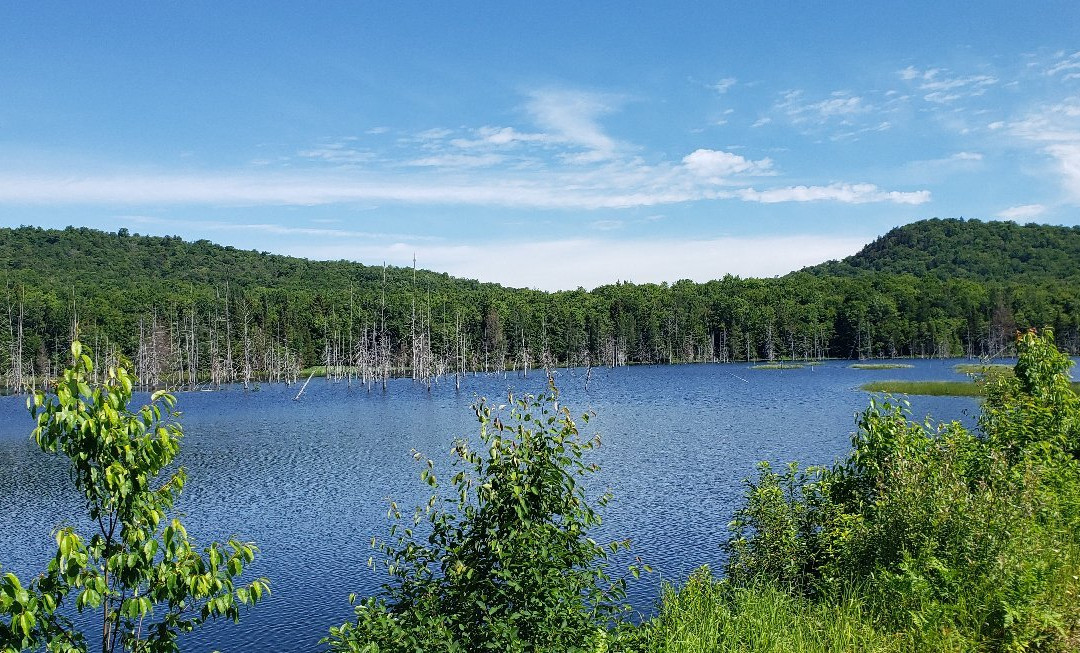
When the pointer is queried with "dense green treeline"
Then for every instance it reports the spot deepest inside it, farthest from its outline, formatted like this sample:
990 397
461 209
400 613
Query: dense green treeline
186 313
968 249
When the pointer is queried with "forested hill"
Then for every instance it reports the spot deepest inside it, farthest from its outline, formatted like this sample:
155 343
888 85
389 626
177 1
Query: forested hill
968 249
99 257
186 314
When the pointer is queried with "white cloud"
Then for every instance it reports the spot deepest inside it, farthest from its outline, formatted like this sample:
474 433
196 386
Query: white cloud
458 161
717 166
1056 122
1022 212
434 134
845 193
929 171
940 86
840 105
724 85
340 153
1068 66
1067 156
1056 130
567 264
500 136
607 225
572 117
613 187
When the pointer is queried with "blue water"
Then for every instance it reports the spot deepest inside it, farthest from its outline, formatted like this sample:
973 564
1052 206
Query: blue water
310 480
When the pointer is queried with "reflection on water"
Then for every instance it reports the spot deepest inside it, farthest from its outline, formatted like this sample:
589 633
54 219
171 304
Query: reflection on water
309 480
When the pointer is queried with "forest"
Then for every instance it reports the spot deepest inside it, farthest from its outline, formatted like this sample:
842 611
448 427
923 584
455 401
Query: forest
187 314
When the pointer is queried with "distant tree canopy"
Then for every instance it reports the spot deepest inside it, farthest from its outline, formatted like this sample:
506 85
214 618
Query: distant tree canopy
186 313
968 249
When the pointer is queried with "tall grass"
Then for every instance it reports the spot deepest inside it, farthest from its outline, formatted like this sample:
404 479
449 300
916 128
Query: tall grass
708 614
880 366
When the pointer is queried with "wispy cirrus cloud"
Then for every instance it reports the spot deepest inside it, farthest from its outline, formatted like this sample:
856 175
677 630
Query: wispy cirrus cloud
845 193
724 85
617 188
929 170
839 106
572 117
941 86
500 137
840 115
340 152
1065 66
458 160
1055 129
1022 212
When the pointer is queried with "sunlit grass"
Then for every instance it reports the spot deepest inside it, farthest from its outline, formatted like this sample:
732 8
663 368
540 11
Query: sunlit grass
880 366
778 366
934 388
931 388
707 614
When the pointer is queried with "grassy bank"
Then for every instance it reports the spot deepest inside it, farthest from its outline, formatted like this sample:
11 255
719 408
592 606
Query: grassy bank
880 366
934 388
931 388
778 366
710 614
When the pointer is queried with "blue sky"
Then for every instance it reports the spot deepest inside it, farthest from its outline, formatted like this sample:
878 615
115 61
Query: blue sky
549 145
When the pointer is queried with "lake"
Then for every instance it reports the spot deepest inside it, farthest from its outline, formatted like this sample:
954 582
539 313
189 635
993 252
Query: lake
309 481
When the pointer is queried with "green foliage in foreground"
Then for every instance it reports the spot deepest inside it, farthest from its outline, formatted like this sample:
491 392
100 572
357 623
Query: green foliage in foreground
945 539
505 563
709 614
143 573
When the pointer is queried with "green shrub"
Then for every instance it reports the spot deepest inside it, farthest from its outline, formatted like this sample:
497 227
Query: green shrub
141 571
505 563
955 539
